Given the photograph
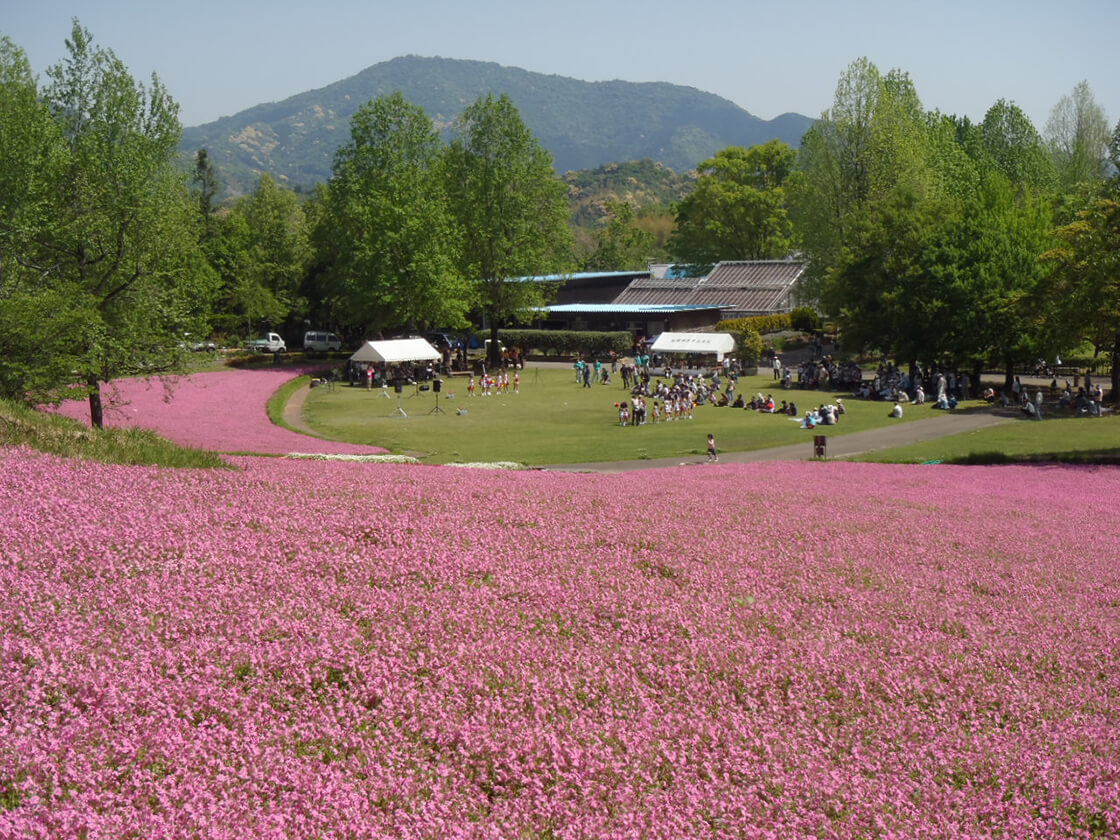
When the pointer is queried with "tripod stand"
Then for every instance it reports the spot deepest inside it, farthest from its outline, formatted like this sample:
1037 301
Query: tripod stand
398 409
437 386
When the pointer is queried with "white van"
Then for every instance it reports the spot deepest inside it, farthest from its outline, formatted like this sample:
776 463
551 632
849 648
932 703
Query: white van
321 342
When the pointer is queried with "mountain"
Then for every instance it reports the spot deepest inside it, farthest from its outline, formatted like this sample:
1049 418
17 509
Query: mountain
583 124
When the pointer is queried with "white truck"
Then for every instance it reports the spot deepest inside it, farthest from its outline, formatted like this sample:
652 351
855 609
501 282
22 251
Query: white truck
270 343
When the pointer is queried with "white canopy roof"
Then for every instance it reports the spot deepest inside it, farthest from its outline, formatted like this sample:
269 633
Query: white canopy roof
671 342
396 350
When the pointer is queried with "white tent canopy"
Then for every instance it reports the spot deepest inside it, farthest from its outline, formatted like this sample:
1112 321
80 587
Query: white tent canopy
676 342
396 350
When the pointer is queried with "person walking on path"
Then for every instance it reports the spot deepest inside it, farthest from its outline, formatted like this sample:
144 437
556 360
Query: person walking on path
712 456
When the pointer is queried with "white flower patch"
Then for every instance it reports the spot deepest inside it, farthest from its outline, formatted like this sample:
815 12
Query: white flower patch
380 459
491 465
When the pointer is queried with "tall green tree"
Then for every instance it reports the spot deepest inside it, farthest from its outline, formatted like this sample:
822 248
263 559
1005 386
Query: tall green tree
261 249
204 185
872 141
395 245
114 238
279 247
945 281
620 245
1078 136
1084 287
511 211
1016 148
738 209
37 350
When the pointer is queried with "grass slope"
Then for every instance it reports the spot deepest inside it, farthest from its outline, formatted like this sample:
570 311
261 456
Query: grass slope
23 426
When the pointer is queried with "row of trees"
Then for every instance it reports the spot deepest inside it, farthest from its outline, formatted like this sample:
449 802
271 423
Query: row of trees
112 261
938 240
409 232
928 237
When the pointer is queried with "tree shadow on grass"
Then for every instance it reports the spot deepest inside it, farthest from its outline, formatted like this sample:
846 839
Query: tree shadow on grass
1085 457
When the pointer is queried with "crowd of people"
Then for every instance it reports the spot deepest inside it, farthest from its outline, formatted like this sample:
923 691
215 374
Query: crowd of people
653 398
817 373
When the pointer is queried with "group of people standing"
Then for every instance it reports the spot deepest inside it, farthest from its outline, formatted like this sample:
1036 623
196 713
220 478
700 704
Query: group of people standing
493 383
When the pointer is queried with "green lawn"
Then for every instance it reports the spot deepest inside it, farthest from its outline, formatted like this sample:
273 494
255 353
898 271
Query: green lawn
1082 440
555 421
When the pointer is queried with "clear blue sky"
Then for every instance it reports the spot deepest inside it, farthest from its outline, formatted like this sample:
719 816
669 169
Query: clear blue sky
217 58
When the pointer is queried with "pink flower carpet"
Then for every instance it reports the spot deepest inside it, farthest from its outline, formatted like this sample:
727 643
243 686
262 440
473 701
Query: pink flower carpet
223 411
310 649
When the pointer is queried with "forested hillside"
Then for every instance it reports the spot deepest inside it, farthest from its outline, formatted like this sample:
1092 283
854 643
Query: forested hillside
583 124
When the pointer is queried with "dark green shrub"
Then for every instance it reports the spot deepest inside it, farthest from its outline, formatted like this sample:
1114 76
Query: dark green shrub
805 319
567 342
761 324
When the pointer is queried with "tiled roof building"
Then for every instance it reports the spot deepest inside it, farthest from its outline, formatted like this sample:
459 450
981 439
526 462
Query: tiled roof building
740 288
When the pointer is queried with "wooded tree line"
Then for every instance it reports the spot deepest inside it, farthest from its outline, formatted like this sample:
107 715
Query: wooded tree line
926 236
938 240
112 261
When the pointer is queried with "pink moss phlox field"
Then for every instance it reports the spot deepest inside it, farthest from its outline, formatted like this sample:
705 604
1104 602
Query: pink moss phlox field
344 650
223 411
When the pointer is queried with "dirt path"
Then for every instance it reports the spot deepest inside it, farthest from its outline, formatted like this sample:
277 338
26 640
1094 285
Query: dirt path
293 412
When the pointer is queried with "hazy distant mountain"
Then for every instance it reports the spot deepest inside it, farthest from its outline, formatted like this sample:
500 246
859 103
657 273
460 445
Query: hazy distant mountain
583 124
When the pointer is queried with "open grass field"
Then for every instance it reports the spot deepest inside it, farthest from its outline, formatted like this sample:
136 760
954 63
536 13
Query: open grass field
555 421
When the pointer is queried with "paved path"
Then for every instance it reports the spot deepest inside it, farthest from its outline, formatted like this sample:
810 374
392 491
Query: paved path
842 446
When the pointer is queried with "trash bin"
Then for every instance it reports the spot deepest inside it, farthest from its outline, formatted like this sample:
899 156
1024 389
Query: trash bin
820 444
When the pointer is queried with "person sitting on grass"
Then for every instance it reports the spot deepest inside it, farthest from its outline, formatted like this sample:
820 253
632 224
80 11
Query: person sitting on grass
896 412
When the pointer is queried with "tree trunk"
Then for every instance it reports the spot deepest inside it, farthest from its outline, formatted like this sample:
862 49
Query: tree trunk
1114 396
494 356
96 413
1009 376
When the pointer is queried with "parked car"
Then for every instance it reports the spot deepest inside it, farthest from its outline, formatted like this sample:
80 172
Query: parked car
270 343
199 346
321 342
443 341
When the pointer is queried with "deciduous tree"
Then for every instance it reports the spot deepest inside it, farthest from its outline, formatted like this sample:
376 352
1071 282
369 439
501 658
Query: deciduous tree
510 208
872 140
1016 147
738 209
395 244
1078 136
113 239
620 245
1084 289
